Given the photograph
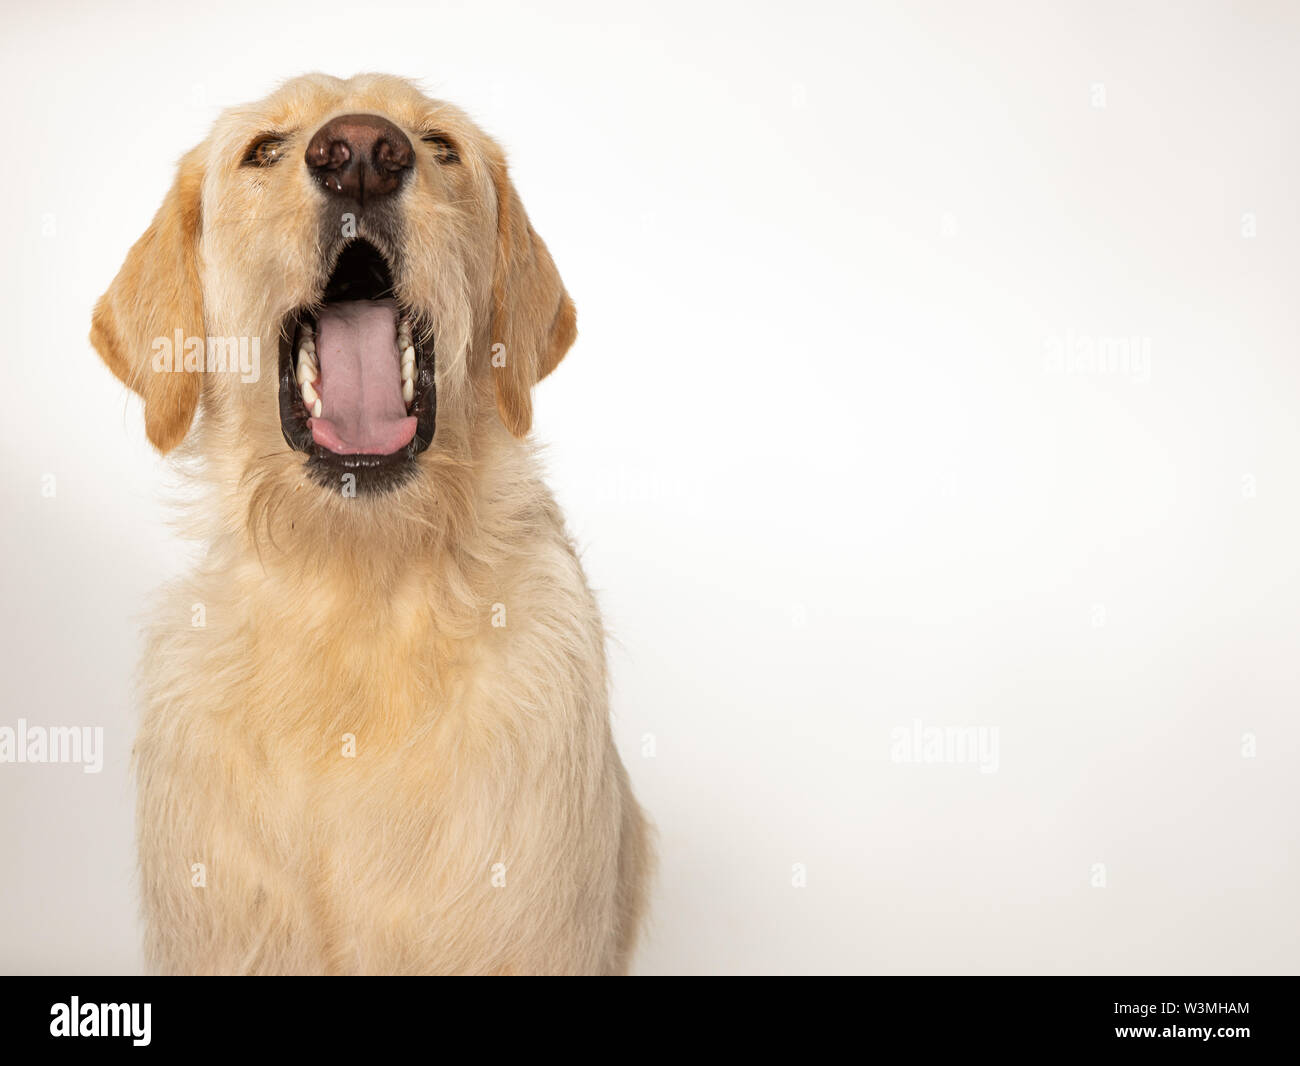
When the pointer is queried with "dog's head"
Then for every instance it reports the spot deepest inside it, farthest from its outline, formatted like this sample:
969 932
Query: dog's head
362 246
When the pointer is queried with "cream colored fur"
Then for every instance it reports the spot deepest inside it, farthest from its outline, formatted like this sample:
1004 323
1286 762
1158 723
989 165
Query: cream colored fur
485 824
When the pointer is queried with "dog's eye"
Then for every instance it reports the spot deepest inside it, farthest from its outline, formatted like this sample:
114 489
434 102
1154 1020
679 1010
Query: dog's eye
443 146
264 152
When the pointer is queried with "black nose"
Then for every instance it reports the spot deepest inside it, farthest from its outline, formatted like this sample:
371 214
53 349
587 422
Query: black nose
360 157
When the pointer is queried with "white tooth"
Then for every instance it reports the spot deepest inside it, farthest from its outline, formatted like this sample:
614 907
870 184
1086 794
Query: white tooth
307 371
309 344
408 390
408 371
308 393
316 409
408 354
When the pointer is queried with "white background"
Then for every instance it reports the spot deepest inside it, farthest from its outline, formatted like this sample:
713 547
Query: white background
827 479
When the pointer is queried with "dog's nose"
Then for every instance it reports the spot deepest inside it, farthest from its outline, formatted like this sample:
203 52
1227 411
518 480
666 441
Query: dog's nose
360 157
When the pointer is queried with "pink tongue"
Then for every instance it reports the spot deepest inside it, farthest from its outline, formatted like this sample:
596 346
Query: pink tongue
360 387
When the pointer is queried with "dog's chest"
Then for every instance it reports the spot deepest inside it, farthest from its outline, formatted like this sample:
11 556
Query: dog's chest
316 733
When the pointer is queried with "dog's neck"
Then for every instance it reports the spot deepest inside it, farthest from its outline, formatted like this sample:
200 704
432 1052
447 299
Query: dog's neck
378 562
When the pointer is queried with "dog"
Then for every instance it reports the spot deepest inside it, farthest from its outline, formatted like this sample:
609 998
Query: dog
375 732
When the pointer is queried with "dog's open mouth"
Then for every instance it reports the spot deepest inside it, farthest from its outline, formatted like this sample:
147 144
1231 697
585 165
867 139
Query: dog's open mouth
356 377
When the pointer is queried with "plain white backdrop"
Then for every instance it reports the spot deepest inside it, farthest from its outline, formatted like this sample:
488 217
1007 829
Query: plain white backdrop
937 368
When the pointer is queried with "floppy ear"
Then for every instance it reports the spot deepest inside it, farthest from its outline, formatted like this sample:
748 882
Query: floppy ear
532 316
156 296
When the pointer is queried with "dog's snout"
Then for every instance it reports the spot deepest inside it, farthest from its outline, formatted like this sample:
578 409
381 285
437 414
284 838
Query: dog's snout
360 157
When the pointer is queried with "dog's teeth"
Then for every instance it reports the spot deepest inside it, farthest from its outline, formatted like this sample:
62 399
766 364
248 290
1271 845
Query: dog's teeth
315 410
408 371
308 394
309 344
408 390
307 370
408 355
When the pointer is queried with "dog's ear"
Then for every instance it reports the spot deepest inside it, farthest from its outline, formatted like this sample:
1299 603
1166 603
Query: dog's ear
533 319
155 298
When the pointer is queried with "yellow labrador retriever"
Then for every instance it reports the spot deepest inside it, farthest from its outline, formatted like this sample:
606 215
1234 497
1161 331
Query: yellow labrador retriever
375 732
